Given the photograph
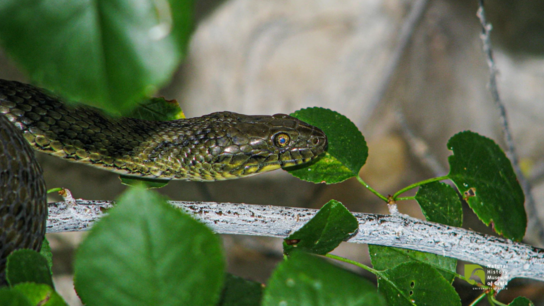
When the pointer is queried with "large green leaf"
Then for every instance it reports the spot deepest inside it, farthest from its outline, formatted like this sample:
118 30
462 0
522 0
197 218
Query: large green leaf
332 224
346 153
13 298
305 280
28 266
107 53
419 284
240 292
485 177
40 294
145 252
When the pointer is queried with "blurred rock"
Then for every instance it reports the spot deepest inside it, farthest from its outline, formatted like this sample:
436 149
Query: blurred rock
270 57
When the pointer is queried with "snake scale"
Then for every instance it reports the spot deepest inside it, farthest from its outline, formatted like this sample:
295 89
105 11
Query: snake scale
217 146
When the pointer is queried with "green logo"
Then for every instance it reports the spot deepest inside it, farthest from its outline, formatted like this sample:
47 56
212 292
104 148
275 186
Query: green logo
475 274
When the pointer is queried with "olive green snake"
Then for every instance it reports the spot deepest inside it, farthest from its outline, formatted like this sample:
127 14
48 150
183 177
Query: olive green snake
217 146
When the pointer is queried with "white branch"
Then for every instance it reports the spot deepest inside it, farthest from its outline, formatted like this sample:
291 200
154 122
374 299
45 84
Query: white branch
513 258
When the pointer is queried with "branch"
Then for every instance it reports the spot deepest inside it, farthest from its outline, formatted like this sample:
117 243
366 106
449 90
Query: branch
512 258
534 222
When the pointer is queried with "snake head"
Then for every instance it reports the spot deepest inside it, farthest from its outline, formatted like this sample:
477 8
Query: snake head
227 145
264 143
294 142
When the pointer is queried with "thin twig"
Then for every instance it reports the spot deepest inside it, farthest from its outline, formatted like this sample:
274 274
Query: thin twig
405 36
515 259
419 146
537 173
535 223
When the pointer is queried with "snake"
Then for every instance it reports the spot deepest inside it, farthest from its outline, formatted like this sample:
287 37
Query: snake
218 146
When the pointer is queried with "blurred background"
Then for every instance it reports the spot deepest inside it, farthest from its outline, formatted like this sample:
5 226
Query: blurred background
409 73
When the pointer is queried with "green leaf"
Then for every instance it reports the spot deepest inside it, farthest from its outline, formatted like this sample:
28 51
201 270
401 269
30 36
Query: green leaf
40 294
147 182
440 203
384 258
346 153
521 301
240 292
157 109
13 298
108 53
305 280
46 252
28 266
146 252
332 224
485 177
416 284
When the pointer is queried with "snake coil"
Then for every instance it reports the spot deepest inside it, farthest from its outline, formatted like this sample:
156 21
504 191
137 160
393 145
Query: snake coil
23 205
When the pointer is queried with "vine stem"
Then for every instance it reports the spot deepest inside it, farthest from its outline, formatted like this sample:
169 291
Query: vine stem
379 195
353 262
403 190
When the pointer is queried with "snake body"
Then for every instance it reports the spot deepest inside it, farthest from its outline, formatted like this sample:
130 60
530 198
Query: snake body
217 146
23 209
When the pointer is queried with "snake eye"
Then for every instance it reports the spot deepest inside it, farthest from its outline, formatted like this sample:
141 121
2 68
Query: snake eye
282 140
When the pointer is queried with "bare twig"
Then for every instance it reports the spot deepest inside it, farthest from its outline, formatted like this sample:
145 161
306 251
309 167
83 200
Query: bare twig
419 146
537 173
514 259
535 223
405 35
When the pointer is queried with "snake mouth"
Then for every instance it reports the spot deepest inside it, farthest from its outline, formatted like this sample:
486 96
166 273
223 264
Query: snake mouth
298 158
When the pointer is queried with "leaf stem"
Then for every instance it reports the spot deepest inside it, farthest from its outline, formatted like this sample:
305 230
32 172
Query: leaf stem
434 179
360 265
57 189
494 301
406 198
371 189
477 300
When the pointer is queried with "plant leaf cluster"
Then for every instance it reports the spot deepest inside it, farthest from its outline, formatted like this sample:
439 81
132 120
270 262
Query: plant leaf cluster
146 252
113 54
